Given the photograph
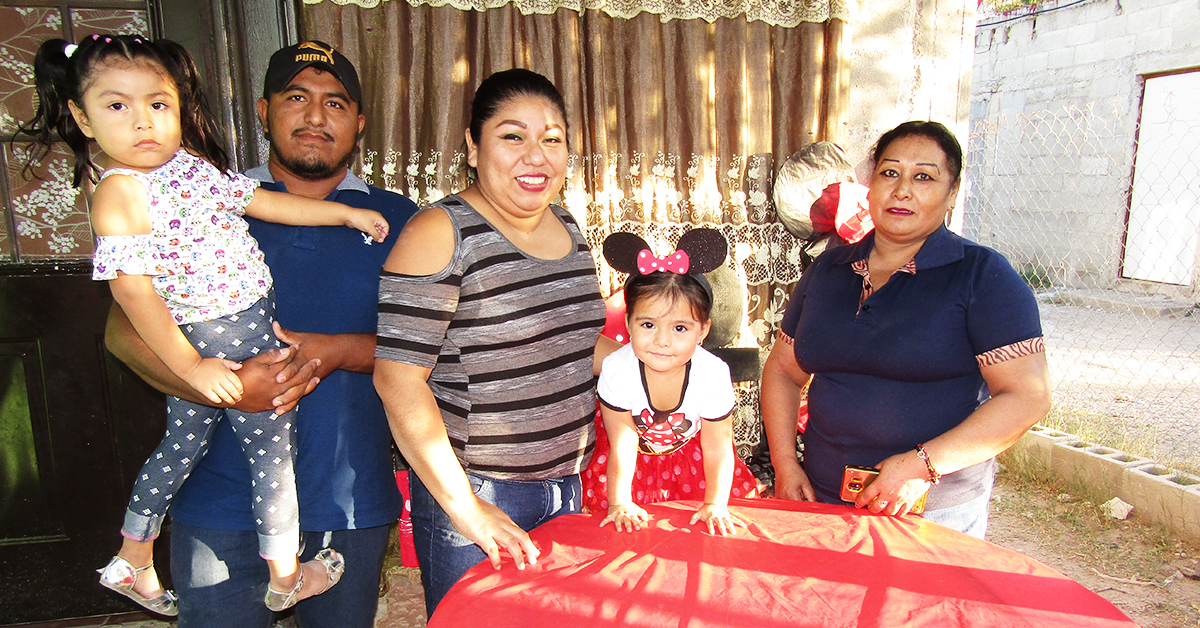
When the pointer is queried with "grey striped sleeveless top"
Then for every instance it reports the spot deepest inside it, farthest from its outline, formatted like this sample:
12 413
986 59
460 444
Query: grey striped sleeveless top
509 339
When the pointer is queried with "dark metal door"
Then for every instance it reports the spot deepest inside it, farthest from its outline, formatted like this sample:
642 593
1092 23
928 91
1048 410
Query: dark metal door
70 447
75 424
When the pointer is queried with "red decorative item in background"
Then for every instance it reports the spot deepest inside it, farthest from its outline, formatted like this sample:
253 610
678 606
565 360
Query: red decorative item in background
842 208
614 318
408 549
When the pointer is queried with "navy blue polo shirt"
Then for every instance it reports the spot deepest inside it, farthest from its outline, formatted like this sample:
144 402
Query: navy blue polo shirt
902 370
326 281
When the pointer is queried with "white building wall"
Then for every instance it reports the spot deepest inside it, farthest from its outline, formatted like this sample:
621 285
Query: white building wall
1054 114
909 60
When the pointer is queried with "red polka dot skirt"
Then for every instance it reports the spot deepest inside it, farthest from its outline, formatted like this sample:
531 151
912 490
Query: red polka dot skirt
677 475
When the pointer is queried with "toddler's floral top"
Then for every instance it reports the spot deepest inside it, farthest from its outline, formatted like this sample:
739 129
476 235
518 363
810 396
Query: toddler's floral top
199 252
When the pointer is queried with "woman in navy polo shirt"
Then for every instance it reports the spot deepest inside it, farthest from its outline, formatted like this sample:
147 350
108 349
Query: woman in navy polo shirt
922 351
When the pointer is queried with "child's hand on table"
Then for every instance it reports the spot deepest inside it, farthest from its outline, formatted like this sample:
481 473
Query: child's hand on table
719 519
626 517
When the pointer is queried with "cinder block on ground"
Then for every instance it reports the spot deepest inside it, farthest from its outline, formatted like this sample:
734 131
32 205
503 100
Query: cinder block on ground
1124 459
1159 495
1155 495
1191 512
1106 467
1037 442
1069 459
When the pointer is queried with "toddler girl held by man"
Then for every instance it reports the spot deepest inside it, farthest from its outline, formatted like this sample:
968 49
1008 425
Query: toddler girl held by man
171 241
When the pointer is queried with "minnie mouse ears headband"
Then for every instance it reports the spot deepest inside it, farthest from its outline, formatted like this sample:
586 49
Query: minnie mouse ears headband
699 251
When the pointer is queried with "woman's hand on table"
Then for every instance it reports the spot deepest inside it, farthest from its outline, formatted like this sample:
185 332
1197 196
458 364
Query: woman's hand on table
492 530
719 519
902 481
627 517
791 482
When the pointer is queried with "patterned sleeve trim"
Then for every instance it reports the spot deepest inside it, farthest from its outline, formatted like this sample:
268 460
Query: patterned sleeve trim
1008 352
130 254
785 339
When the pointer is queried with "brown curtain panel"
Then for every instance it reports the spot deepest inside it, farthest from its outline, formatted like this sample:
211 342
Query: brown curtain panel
674 123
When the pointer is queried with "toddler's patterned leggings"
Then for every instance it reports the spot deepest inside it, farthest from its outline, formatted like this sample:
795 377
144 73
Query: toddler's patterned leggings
266 440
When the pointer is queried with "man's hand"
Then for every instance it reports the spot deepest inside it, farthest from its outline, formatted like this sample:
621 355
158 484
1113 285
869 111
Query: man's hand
310 346
276 380
353 352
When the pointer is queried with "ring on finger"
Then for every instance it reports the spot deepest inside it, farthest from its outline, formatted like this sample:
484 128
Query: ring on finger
883 503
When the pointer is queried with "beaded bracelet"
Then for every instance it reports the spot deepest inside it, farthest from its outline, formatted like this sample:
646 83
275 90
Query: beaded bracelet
934 476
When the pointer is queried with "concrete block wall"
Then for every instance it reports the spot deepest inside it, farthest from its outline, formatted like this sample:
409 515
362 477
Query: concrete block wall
909 60
1053 77
1159 495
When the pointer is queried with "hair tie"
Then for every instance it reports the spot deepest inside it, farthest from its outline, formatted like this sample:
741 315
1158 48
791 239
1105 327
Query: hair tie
95 36
137 40
108 40
70 49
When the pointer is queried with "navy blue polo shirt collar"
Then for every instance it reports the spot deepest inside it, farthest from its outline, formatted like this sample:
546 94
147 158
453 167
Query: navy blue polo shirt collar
350 182
941 248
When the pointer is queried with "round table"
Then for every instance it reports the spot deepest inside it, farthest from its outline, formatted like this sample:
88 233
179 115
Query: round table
797 564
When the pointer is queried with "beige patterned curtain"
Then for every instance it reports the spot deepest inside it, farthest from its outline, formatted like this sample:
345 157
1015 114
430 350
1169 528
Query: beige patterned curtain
674 122
679 111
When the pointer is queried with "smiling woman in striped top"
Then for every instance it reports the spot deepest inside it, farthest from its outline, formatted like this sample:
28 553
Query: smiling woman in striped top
489 316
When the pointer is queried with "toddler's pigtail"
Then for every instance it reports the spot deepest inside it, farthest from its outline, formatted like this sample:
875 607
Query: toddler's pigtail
56 82
200 132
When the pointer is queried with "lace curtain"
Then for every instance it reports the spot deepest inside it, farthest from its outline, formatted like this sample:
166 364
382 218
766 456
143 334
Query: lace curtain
673 123
788 13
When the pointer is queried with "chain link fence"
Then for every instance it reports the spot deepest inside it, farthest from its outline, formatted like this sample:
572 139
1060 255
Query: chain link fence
1101 217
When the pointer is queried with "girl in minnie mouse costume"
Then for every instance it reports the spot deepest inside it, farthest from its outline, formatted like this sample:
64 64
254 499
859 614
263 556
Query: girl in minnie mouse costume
663 389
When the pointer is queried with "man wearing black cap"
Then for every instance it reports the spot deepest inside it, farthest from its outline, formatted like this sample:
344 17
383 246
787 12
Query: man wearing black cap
326 284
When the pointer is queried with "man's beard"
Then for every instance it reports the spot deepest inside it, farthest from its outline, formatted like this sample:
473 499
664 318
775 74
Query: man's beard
313 168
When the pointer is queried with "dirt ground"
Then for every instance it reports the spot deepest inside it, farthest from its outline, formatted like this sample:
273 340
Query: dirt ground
1126 380
1148 575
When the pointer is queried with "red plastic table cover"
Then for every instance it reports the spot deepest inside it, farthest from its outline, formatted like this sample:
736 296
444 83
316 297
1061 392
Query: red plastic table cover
797 564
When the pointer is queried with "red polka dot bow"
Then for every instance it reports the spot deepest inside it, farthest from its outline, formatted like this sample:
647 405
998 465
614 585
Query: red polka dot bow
676 262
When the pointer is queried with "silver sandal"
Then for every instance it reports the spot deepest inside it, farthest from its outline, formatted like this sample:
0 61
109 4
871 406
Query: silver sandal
120 576
334 566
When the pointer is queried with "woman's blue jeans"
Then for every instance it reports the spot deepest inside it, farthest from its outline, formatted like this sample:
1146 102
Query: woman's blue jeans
445 555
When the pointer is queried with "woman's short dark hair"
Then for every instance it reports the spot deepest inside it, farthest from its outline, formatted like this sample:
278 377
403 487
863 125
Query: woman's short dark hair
932 130
501 87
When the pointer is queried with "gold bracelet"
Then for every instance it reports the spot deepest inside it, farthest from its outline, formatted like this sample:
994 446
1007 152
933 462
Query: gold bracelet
934 476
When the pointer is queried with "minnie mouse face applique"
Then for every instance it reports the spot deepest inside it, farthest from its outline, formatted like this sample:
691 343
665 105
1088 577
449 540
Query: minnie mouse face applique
661 432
